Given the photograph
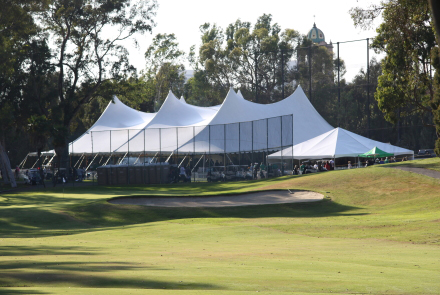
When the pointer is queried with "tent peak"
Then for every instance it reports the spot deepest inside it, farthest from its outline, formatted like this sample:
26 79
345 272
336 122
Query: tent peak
240 94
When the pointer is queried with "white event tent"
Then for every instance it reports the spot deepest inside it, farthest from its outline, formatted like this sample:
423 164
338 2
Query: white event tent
237 125
337 143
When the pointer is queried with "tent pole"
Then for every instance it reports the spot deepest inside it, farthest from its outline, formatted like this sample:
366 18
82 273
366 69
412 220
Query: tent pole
252 156
194 151
292 144
50 161
128 158
209 148
92 161
239 145
281 138
105 164
224 148
23 162
267 148
202 157
177 143
169 157
35 163
78 160
109 158
137 159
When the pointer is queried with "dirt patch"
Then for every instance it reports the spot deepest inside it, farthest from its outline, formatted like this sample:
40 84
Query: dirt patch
257 198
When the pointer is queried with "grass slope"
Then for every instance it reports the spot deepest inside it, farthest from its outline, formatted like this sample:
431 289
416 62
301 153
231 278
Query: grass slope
379 233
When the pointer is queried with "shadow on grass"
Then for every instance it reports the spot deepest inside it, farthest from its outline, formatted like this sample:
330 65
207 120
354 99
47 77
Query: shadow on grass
52 274
45 250
27 291
106 214
88 274
96 216
33 222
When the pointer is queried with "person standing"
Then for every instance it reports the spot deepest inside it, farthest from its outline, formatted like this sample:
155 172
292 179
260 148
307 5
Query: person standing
17 172
295 170
303 168
262 170
182 173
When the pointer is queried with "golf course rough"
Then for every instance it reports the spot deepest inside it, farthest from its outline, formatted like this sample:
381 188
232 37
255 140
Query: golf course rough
377 233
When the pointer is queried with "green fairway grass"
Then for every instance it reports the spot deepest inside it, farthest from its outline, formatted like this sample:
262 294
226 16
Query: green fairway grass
377 232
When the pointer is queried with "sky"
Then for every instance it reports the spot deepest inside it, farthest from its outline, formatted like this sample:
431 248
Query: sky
184 17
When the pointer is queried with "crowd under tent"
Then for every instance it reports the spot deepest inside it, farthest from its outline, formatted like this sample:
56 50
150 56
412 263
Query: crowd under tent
337 143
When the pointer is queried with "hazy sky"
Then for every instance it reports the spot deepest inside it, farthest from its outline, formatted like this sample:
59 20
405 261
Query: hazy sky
183 18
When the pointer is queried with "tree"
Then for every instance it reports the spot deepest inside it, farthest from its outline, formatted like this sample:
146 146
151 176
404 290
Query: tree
39 95
435 55
406 36
316 72
164 66
17 29
87 53
252 60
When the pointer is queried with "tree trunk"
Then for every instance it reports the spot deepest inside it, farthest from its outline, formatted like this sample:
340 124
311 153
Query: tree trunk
62 162
5 165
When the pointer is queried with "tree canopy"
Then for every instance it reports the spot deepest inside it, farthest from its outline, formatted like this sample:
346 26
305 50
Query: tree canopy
406 36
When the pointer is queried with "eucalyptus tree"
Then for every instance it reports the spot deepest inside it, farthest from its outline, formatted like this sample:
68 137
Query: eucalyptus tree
407 38
252 59
89 39
17 30
165 67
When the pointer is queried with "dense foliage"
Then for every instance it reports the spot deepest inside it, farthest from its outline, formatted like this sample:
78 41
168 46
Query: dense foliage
406 87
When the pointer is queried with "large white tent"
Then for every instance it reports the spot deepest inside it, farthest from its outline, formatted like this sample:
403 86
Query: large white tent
336 143
236 125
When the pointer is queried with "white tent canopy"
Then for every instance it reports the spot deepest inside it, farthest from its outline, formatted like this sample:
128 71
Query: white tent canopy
235 125
116 117
336 143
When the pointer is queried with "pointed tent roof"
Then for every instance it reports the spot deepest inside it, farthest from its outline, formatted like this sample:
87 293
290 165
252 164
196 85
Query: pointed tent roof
177 113
116 117
336 143
307 122
239 94
173 113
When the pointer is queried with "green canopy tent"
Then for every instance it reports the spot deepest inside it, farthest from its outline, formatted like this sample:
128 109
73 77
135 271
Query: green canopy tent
375 153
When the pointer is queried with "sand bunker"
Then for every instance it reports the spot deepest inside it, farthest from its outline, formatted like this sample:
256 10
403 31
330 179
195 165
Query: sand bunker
257 198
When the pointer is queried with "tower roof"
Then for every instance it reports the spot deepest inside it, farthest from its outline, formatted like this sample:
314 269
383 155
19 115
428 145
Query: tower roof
316 35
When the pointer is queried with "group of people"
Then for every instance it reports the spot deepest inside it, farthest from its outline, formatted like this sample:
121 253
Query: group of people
385 160
258 170
317 166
